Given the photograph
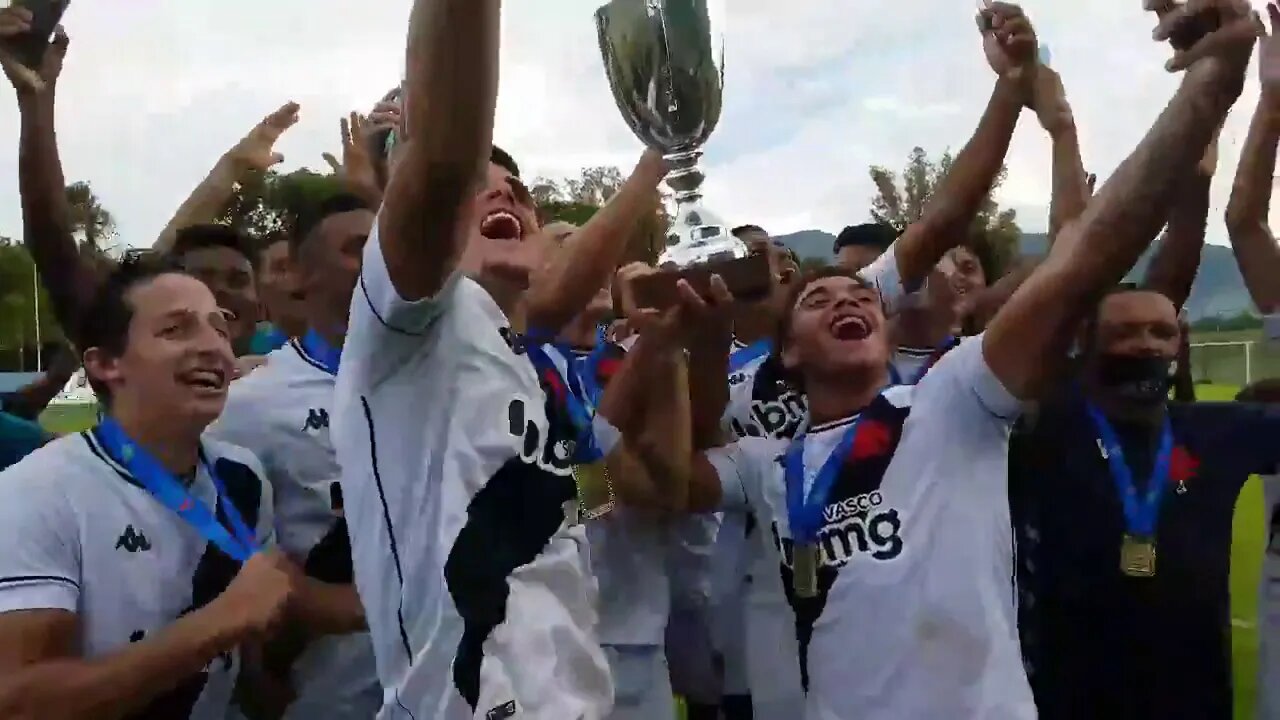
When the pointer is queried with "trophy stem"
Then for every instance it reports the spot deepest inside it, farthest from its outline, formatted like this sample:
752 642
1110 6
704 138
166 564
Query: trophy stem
685 178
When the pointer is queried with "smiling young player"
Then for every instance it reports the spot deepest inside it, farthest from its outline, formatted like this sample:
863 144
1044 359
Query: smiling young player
132 570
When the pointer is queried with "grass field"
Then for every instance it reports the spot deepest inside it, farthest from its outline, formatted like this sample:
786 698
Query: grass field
1246 551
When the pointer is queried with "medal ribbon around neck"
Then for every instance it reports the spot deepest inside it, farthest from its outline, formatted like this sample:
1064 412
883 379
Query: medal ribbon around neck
570 394
742 356
895 377
1141 511
805 513
238 542
322 352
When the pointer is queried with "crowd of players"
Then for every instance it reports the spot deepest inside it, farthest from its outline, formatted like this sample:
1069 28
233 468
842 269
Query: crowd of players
469 478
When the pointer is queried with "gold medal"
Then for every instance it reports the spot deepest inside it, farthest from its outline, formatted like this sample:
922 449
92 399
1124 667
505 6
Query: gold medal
595 489
1138 556
804 570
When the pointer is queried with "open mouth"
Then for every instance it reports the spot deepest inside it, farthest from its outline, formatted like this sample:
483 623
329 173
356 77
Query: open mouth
850 327
205 380
502 225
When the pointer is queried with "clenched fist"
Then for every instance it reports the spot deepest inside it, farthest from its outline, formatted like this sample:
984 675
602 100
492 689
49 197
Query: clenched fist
256 601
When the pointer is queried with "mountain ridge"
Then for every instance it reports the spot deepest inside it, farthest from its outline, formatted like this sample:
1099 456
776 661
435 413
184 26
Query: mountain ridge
1219 290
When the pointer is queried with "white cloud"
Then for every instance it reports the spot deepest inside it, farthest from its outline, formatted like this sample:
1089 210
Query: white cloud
817 91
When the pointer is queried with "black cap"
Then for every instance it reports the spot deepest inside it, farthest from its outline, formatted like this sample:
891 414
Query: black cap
876 235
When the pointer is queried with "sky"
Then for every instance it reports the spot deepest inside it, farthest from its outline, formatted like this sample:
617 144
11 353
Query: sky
816 91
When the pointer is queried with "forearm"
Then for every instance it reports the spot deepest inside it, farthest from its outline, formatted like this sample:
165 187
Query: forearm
452 90
204 205
708 390
329 608
1125 215
959 195
1173 267
578 272
1070 191
46 216
122 683
1027 341
1255 247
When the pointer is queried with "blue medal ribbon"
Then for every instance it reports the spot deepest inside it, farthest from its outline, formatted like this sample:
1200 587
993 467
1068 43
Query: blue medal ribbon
1141 510
238 542
589 376
805 513
320 351
741 357
586 450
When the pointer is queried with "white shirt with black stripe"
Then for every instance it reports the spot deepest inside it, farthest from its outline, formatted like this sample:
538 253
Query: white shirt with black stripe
281 412
79 534
915 616
469 556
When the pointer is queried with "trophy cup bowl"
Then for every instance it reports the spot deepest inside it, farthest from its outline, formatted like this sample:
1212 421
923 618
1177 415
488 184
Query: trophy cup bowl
665 64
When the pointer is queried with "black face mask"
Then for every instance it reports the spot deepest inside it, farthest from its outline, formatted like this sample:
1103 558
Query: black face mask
1142 379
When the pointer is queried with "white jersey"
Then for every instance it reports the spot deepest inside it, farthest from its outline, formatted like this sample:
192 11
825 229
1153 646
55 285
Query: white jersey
1269 607
763 404
915 614
468 553
281 413
80 534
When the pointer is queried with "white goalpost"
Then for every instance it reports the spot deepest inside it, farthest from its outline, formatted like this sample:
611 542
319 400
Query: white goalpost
1226 362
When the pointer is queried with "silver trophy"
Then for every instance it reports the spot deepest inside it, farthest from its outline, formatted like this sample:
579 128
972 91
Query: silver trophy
665 63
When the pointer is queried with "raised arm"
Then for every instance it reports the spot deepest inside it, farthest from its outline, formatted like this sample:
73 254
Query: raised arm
451 93
254 152
1255 247
1029 337
565 287
1177 257
1070 181
1010 46
46 216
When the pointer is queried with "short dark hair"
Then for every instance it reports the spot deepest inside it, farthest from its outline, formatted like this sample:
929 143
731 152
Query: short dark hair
1094 316
875 235
980 245
503 159
783 330
741 230
335 204
212 235
105 321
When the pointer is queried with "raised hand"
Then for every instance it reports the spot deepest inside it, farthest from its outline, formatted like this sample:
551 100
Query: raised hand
1269 54
1233 28
356 171
1008 40
255 151
14 21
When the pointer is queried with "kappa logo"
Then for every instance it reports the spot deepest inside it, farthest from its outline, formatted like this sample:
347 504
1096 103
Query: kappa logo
535 446
773 418
317 419
133 541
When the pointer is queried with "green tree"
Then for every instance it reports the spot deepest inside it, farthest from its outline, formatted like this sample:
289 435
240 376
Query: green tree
90 221
270 204
18 305
575 200
901 206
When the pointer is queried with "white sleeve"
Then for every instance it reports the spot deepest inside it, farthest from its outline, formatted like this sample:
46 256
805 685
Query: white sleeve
967 366
734 469
40 563
378 297
883 273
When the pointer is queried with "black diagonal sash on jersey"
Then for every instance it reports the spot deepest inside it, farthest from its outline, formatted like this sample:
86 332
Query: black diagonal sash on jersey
880 430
